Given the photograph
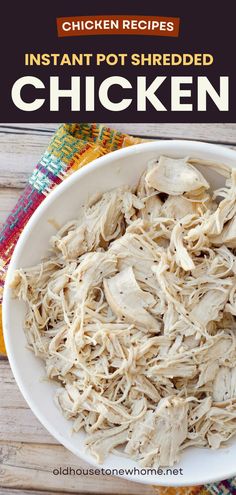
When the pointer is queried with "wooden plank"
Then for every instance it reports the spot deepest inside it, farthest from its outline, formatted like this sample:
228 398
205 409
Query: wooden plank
8 199
19 153
18 156
11 396
12 491
17 422
28 128
222 133
217 133
30 467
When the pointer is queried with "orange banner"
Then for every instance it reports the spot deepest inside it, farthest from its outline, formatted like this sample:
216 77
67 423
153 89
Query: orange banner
118 24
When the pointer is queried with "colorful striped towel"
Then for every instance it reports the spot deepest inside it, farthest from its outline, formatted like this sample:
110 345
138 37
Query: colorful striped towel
72 147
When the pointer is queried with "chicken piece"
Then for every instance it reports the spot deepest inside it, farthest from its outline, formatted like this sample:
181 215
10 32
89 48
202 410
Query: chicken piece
27 279
143 190
175 176
209 306
144 385
199 410
227 236
173 368
127 299
103 442
213 224
73 242
134 250
219 168
221 424
178 207
159 435
94 267
217 348
224 384
152 209
131 206
208 372
223 263
182 256
99 223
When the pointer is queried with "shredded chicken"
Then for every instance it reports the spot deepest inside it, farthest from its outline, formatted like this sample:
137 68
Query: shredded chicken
134 314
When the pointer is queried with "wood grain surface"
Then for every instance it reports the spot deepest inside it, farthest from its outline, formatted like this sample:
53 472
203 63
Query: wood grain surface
28 453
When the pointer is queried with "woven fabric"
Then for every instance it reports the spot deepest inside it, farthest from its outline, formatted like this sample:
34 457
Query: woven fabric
187 490
226 487
72 147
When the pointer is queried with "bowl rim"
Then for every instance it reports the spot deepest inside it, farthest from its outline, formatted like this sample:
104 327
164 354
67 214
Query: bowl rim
63 186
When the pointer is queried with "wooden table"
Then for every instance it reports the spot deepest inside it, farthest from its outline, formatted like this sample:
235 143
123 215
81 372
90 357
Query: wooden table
28 452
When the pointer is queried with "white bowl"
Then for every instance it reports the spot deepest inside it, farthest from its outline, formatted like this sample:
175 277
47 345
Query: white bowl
121 167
